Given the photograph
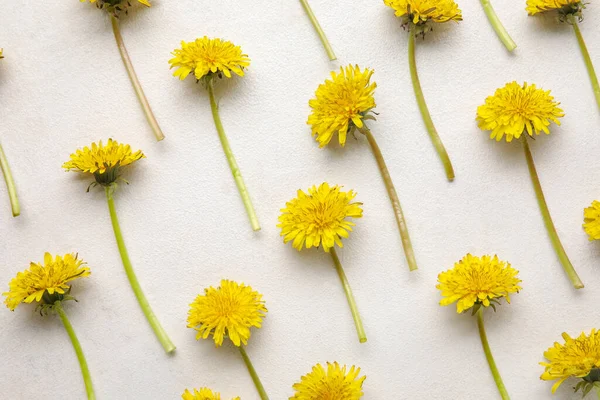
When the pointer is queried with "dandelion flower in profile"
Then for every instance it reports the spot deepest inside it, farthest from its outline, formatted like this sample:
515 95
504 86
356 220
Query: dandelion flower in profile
520 111
576 358
591 220
49 284
335 383
571 12
202 394
115 8
321 218
341 106
229 311
209 60
476 283
418 17
105 162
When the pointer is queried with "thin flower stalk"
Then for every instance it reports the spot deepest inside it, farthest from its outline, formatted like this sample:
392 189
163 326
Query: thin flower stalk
159 331
360 330
10 184
435 138
497 25
490 357
259 386
87 379
556 243
586 57
135 81
389 185
320 32
235 170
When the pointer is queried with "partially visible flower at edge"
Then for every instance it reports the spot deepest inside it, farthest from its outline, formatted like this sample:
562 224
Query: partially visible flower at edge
419 12
562 6
115 6
334 383
202 394
591 220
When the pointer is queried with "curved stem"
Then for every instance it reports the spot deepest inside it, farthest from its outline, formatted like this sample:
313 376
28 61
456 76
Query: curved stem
497 25
389 185
133 281
87 378
435 138
360 330
10 184
259 387
319 30
490 357
587 58
558 247
135 82
235 170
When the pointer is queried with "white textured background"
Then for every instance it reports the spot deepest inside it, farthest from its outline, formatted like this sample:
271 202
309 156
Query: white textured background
63 86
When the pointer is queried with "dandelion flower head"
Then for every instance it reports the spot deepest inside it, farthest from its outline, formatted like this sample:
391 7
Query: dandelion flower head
477 280
591 220
419 12
333 383
115 6
46 281
229 310
577 358
202 394
566 6
319 217
515 109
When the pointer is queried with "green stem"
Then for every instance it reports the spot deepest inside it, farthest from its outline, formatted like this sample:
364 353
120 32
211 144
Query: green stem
319 30
558 247
360 330
235 170
497 25
259 387
135 81
587 58
435 138
598 392
10 184
389 185
133 281
490 357
87 379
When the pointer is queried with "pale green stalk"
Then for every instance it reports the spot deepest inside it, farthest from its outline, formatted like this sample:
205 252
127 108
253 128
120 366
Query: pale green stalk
586 58
490 357
259 387
135 81
497 25
435 138
235 170
360 330
319 30
556 243
10 184
87 378
160 333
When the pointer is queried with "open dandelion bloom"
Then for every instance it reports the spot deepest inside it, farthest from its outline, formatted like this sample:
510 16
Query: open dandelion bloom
538 6
45 282
341 103
591 219
103 161
115 6
334 383
420 11
207 57
577 358
477 280
202 394
515 109
319 217
227 311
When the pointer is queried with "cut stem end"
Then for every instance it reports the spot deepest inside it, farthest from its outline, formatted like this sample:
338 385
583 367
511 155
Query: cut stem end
320 32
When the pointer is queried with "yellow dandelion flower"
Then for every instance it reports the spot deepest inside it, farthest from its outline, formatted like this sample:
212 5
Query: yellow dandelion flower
45 279
319 217
202 394
1 52
538 6
103 161
229 310
335 383
421 11
515 109
207 57
341 104
577 358
477 280
115 5
591 219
